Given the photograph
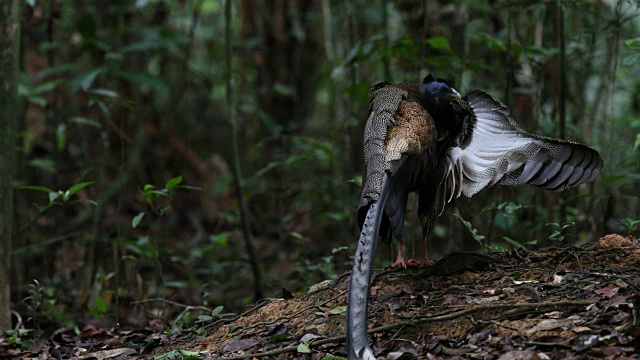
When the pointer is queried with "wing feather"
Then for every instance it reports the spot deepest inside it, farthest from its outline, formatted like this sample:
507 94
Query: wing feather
499 151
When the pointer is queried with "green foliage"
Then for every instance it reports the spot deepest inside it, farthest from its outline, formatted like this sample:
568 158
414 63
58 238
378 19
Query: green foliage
14 337
508 207
305 345
633 44
560 230
59 197
630 225
98 308
35 291
327 265
472 230
153 196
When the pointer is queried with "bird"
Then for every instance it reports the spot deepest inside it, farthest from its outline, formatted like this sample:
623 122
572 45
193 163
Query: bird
427 138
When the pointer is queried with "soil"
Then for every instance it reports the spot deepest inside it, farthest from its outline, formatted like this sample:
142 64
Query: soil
559 303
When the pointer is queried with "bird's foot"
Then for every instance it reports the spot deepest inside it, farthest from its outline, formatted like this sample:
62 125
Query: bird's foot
416 263
401 262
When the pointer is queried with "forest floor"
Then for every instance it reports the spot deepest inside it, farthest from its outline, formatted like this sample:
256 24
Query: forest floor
558 303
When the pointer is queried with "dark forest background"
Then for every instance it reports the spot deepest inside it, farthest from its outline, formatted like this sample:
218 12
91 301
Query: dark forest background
139 119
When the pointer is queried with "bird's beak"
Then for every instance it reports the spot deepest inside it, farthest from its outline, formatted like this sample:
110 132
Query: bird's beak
451 96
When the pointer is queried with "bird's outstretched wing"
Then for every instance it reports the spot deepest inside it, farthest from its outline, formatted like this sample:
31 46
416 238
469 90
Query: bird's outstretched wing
497 150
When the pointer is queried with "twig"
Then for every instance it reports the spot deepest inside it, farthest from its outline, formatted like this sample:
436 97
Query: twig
496 323
538 343
19 323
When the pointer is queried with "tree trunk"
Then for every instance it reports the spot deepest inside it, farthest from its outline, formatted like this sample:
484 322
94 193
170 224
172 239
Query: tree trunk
9 37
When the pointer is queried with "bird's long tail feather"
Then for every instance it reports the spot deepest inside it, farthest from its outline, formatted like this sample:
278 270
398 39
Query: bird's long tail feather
358 303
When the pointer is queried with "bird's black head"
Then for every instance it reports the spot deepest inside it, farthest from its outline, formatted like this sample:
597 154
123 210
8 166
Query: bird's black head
436 94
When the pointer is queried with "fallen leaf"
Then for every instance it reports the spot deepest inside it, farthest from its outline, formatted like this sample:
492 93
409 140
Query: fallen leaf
239 345
107 354
550 324
484 300
622 284
520 282
580 329
553 315
607 290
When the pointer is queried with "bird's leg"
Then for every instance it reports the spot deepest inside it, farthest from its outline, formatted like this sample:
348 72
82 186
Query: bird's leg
426 229
399 259
425 253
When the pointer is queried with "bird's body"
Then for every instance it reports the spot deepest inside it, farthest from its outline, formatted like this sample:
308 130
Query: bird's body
425 138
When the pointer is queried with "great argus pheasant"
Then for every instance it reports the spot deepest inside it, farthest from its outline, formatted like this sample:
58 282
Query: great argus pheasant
426 138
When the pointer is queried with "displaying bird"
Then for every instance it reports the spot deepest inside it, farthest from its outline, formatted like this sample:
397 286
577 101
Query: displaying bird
426 138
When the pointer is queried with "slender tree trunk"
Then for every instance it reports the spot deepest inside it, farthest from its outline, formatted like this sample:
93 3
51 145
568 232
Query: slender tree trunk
237 173
9 38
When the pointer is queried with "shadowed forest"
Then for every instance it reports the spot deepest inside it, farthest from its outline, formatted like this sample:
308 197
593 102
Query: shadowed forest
199 153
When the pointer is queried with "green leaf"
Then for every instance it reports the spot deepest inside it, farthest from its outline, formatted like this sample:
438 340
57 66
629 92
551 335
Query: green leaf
136 220
304 348
85 121
217 310
101 305
172 183
632 43
192 353
221 239
53 196
45 87
513 242
56 70
61 136
148 187
85 80
142 78
44 164
338 310
38 100
283 89
77 187
439 43
104 92
35 188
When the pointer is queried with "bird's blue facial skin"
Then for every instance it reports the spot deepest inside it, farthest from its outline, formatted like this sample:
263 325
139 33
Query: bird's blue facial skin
438 89
437 92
